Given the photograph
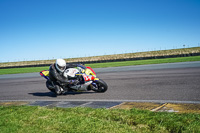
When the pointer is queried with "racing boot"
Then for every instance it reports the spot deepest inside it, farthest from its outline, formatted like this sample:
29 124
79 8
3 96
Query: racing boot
58 90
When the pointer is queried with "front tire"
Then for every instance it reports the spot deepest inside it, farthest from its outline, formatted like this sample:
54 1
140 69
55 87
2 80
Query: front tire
102 86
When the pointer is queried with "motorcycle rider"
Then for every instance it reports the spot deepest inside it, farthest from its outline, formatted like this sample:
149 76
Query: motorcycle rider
57 78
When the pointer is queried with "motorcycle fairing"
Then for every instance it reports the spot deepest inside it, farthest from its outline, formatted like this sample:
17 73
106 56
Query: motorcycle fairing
88 74
70 72
88 77
45 74
91 70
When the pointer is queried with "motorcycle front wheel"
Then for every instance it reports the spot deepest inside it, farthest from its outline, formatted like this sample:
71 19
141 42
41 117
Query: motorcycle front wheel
102 86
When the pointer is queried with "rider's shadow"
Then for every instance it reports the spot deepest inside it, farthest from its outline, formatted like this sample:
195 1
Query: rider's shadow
43 94
78 93
51 94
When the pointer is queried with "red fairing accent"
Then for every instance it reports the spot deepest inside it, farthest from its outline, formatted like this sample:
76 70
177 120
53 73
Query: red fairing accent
42 73
91 70
88 77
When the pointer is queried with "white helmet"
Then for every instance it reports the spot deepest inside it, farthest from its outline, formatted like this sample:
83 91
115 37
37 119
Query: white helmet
60 65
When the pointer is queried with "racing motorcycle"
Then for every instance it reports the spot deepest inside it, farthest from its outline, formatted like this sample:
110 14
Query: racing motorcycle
87 82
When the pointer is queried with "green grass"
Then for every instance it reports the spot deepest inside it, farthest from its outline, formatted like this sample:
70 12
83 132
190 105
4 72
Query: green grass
145 62
109 64
181 51
22 70
32 119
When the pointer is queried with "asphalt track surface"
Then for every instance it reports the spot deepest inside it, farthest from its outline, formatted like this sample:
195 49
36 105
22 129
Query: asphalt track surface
170 82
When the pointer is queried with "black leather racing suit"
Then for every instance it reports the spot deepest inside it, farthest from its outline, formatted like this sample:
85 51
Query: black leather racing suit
57 77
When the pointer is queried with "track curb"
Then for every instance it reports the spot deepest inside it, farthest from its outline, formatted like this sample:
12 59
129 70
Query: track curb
152 106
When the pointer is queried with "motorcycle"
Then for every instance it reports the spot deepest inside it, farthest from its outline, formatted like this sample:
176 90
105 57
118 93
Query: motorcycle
87 82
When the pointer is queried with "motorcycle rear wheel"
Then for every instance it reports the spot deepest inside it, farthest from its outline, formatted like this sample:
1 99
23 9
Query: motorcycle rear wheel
102 86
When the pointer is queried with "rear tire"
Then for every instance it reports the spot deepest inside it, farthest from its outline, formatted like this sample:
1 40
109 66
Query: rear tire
102 86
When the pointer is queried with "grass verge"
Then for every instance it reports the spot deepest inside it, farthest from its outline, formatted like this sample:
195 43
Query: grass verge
172 52
145 62
109 64
41 119
22 70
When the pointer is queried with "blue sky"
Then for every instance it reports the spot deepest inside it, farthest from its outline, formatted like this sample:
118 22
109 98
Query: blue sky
50 29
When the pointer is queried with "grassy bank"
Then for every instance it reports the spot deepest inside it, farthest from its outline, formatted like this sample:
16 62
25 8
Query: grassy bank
109 64
145 62
34 119
22 70
110 57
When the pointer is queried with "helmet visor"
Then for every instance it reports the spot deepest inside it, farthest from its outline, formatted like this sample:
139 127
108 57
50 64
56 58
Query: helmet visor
61 67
